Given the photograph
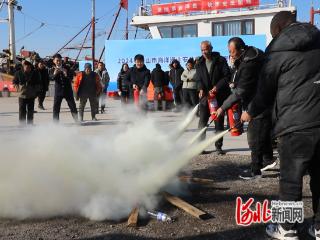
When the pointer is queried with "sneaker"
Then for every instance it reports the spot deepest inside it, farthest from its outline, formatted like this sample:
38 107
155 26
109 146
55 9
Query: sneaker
314 233
268 165
220 152
275 231
249 175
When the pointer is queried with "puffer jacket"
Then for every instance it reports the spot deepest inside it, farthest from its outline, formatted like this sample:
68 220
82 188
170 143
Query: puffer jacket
290 80
189 80
28 84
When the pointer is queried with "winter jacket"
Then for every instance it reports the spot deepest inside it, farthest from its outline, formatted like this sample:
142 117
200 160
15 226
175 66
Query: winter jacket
175 77
188 79
44 79
158 77
27 83
139 77
219 76
290 80
104 78
63 86
122 85
91 90
245 77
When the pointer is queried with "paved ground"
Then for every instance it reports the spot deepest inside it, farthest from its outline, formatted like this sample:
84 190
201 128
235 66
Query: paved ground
217 199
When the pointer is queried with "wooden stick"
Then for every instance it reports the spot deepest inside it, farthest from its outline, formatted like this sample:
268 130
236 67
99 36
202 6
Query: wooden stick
178 202
133 217
196 180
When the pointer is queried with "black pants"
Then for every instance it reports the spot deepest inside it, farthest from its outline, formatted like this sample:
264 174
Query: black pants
26 110
57 105
41 97
190 97
204 118
93 106
178 96
300 152
125 96
259 141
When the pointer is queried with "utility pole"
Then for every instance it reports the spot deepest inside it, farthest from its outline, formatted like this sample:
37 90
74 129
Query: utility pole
127 26
93 30
12 38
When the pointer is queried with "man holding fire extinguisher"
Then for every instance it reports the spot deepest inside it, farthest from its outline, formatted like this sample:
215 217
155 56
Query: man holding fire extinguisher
247 63
138 78
212 74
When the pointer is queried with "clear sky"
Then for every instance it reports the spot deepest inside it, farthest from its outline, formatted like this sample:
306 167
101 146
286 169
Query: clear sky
64 18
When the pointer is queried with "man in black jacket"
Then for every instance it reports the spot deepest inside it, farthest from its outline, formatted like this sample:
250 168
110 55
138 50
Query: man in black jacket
44 83
63 88
290 82
247 64
213 75
175 80
158 79
138 78
27 82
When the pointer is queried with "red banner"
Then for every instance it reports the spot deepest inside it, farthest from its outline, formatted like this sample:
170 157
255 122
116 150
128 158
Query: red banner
201 5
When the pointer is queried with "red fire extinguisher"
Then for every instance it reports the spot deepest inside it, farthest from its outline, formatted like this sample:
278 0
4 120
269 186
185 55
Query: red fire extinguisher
136 96
234 115
213 105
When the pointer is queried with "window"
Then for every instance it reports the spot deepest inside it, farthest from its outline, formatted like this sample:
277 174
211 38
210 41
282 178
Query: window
190 30
176 32
241 27
165 32
248 27
218 29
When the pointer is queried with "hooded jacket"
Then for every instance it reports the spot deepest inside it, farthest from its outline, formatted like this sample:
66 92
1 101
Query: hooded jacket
245 76
290 80
175 75
158 77
218 76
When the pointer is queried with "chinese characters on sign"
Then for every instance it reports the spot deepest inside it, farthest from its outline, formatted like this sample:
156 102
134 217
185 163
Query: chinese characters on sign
201 5
155 60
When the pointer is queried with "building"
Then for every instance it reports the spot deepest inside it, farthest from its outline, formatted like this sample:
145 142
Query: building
233 17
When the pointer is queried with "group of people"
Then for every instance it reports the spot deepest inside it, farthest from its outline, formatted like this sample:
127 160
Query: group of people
277 89
138 78
32 81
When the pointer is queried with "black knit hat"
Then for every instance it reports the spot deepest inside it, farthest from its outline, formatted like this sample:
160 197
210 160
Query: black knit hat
190 60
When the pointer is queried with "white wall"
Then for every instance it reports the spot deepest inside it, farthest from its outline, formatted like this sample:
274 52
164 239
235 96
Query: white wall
262 26
204 29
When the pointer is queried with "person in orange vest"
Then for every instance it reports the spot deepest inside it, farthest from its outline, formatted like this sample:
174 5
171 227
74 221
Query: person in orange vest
87 86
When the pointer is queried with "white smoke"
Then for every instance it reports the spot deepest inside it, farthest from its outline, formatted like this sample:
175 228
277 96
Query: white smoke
56 170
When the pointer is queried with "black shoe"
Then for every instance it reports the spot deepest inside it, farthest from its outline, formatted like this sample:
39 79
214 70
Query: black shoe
94 119
41 107
102 110
314 232
220 152
249 175
268 165
34 111
204 152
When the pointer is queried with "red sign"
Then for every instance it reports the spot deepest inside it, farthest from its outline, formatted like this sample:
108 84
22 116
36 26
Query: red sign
201 5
